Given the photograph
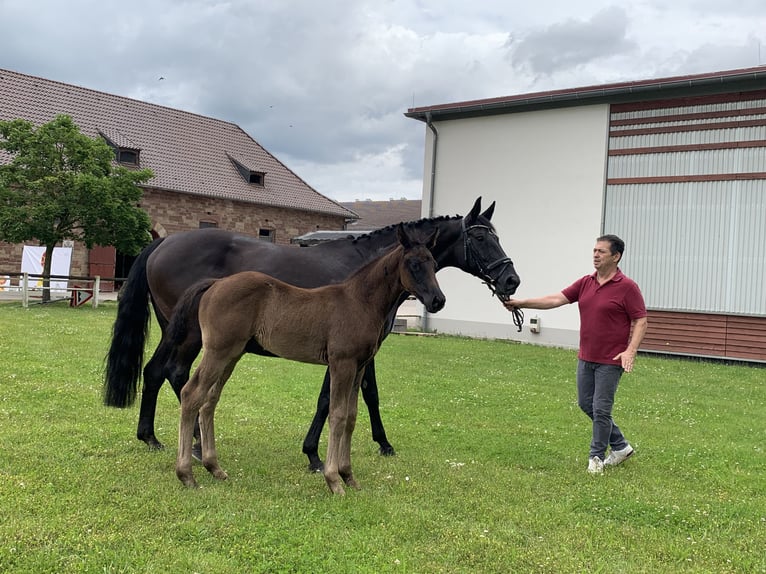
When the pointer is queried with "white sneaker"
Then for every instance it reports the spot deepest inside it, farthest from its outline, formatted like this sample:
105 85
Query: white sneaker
619 456
595 465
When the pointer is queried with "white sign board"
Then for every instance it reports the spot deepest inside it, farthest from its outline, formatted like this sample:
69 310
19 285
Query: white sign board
33 259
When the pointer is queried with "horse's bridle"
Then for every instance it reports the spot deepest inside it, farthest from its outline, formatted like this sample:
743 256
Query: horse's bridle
472 259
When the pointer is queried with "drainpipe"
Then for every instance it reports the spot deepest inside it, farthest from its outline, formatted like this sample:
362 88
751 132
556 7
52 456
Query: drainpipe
432 189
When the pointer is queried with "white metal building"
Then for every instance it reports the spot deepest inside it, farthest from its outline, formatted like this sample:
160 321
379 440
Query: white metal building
675 166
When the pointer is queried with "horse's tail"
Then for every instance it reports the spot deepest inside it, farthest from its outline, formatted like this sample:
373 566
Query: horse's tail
185 318
126 352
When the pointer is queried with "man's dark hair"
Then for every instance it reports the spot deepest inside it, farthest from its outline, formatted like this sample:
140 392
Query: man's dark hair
616 245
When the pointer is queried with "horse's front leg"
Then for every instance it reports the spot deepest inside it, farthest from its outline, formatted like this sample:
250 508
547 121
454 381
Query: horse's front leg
343 388
371 399
311 442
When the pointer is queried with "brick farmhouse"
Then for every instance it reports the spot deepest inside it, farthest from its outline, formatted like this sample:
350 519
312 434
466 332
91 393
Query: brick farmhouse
207 172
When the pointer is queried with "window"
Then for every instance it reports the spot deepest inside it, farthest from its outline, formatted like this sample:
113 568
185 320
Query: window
255 178
206 224
266 235
126 156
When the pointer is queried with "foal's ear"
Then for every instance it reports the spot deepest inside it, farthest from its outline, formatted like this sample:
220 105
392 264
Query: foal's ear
403 237
490 210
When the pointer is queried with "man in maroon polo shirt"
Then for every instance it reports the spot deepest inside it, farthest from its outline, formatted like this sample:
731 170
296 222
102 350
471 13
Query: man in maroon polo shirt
612 326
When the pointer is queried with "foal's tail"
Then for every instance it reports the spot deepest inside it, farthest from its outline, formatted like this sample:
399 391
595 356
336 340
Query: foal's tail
126 352
185 319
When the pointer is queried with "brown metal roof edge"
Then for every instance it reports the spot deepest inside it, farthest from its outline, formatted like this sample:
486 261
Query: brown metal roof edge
622 91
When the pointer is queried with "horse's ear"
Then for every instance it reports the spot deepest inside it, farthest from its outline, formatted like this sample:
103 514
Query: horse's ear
474 213
403 237
490 210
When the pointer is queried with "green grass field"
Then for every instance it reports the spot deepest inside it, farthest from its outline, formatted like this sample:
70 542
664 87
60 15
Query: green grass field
489 476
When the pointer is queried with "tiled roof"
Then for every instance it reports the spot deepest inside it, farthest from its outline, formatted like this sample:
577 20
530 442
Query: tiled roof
377 214
188 153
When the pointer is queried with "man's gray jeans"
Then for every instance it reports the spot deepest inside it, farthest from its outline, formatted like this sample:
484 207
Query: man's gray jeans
596 388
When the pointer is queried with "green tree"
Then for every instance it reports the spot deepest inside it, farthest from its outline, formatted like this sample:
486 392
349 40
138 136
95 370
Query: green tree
56 183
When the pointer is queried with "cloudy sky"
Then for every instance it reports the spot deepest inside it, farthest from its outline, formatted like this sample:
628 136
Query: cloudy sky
324 85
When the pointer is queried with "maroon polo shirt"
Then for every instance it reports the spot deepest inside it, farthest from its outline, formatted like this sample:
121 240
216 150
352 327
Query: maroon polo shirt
606 314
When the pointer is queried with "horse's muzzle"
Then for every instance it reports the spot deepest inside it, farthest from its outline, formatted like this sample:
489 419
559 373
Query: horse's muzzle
507 283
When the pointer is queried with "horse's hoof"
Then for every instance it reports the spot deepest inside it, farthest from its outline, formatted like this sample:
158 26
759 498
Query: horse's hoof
387 450
152 443
315 465
197 452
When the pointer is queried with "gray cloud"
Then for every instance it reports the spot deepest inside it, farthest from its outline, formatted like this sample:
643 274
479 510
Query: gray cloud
574 43
324 85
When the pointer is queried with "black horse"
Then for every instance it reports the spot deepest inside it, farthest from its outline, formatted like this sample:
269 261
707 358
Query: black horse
167 267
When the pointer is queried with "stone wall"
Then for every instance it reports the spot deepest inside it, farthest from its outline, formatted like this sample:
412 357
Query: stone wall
172 212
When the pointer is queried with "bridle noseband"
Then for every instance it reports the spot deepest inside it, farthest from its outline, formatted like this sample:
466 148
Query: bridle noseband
472 258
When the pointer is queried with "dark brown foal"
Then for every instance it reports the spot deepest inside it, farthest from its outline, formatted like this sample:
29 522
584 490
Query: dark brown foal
339 325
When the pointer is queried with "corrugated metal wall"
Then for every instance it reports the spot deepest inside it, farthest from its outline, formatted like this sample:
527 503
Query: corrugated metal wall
686 189
694 246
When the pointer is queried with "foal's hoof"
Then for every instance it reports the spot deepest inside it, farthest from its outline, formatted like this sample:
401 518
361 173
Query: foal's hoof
187 480
219 474
197 452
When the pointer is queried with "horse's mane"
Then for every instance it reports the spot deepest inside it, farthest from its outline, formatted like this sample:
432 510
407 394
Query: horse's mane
374 233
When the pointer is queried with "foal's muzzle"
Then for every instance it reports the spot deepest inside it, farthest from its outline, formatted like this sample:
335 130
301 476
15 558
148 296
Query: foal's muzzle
435 302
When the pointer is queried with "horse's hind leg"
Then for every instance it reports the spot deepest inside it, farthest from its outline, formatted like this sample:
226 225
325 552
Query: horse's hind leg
371 399
153 378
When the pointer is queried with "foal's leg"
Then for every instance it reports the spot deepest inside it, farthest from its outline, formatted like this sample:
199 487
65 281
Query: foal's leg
207 425
370 395
344 379
177 369
194 395
371 399
344 461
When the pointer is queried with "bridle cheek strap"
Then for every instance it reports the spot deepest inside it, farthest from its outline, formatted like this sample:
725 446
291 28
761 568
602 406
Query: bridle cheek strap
472 259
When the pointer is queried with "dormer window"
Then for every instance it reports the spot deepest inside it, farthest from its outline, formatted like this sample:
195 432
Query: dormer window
251 176
125 151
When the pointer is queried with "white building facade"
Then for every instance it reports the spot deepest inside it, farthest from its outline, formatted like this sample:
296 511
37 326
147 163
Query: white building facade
674 166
